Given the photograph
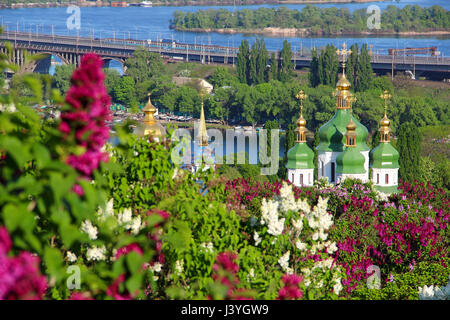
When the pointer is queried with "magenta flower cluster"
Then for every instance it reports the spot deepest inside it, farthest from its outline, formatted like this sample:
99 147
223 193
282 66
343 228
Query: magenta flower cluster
290 290
225 272
20 276
86 118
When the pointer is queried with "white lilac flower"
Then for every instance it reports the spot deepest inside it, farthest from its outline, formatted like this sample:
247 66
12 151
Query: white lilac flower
135 225
125 217
175 173
269 216
179 264
275 227
298 225
71 257
284 262
315 236
300 245
287 198
337 287
208 246
303 206
306 281
108 212
88 228
96 253
257 238
332 248
156 267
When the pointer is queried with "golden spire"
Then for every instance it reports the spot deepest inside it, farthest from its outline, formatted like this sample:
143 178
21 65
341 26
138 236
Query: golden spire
300 131
343 85
351 126
202 135
385 123
150 125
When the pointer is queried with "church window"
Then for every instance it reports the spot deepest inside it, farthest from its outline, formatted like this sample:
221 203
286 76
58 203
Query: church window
333 169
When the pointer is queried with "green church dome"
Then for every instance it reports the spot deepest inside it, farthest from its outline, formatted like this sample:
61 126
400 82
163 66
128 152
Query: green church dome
300 156
332 133
350 161
384 156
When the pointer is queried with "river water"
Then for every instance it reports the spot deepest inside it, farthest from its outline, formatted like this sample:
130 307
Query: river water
153 23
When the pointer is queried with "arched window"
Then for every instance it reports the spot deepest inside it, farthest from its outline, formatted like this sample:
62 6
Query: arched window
386 179
378 178
301 179
292 178
321 166
333 171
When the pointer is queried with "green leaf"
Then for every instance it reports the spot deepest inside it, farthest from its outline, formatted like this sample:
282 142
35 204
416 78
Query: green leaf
54 262
14 147
134 262
180 236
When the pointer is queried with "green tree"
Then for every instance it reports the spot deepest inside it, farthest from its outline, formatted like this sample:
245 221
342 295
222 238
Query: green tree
242 64
409 146
329 66
313 76
112 79
262 62
364 71
273 67
125 91
289 140
61 78
221 77
144 65
352 64
253 63
286 65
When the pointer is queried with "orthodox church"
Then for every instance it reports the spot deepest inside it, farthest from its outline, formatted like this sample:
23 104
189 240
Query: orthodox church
203 155
343 151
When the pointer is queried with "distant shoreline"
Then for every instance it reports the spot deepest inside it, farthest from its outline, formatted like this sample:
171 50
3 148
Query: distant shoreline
180 3
293 32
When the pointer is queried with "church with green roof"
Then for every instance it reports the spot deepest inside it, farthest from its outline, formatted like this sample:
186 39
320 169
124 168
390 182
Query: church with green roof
343 152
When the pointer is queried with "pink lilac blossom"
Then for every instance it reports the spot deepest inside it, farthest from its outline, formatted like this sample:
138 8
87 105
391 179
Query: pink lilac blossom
85 119
20 277
224 272
290 291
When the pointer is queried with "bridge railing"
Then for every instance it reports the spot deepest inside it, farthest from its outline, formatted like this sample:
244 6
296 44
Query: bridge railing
125 46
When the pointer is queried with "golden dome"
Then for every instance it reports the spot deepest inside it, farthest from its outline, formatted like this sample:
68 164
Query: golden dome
343 83
351 126
385 122
301 122
150 126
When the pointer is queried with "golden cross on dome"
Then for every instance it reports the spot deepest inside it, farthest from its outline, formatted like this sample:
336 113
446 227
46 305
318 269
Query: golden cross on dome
385 96
300 96
344 53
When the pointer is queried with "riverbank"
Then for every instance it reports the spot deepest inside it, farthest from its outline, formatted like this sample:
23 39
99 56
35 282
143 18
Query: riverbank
21 5
307 32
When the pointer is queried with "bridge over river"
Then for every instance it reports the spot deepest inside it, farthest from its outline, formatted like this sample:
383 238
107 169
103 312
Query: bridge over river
70 49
